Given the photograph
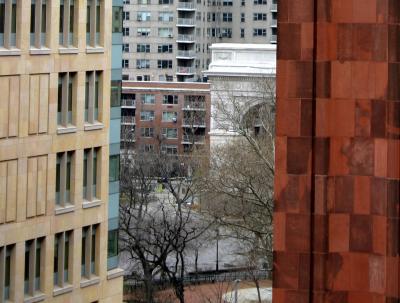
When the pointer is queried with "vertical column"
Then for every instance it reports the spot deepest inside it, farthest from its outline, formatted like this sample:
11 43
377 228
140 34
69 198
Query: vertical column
2 272
7 24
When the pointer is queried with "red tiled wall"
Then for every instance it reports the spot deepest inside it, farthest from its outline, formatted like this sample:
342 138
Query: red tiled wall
337 183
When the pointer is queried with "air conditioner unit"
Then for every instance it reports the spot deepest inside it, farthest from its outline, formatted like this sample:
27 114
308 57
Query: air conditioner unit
170 36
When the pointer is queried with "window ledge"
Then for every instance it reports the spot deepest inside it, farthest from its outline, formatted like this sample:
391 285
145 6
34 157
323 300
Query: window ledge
62 290
94 50
10 51
89 282
94 126
63 210
66 130
90 204
39 51
68 50
115 273
38 297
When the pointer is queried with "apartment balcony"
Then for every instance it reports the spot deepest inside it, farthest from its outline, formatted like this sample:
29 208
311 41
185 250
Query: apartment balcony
193 123
274 23
185 22
185 54
194 106
196 139
128 120
185 39
186 6
185 70
128 103
273 39
274 8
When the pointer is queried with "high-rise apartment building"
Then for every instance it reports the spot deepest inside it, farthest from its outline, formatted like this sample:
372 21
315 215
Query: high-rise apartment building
168 40
55 74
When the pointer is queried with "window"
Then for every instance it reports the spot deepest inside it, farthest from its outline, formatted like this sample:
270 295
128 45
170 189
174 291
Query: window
169 149
259 32
147 115
143 78
165 48
144 1
169 78
259 17
125 63
169 116
117 19
242 33
166 16
125 16
227 3
67 19
125 31
143 16
92 96
93 23
65 98
256 2
147 148
164 64
227 17
142 63
112 247
170 133
143 48
38 23
143 31
8 29
243 3
90 259
113 173
226 32
90 165
165 32
34 266
7 265
116 88
242 17
170 99
165 1
148 99
64 178
147 132
125 47
62 258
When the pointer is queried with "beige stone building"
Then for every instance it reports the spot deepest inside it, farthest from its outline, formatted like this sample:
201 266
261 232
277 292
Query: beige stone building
54 136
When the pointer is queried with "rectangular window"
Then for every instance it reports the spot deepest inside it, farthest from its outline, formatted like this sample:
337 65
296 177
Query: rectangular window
125 31
170 99
125 47
66 98
93 21
165 32
148 99
143 48
169 149
62 255
166 16
90 176
170 133
142 64
125 16
227 17
8 27
147 115
147 132
92 96
38 23
227 3
143 31
117 19
242 33
259 17
165 1
147 148
7 265
116 88
90 258
113 174
64 178
143 16
165 48
169 116
259 2
34 266
67 19
242 17
259 32
125 63
164 64
112 247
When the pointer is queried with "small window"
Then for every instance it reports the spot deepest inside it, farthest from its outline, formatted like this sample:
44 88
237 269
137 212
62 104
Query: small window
39 13
93 21
170 99
148 99
169 116
170 133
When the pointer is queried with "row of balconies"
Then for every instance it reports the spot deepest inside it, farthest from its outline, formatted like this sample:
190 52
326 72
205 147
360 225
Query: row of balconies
186 6
186 139
187 122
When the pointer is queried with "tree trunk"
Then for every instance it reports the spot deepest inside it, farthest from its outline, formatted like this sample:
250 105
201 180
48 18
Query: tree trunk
258 290
148 285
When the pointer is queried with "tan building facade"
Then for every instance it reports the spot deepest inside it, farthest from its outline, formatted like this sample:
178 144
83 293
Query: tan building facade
54 121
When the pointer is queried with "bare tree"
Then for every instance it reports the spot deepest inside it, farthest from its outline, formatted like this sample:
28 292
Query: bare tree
157 226
240 182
